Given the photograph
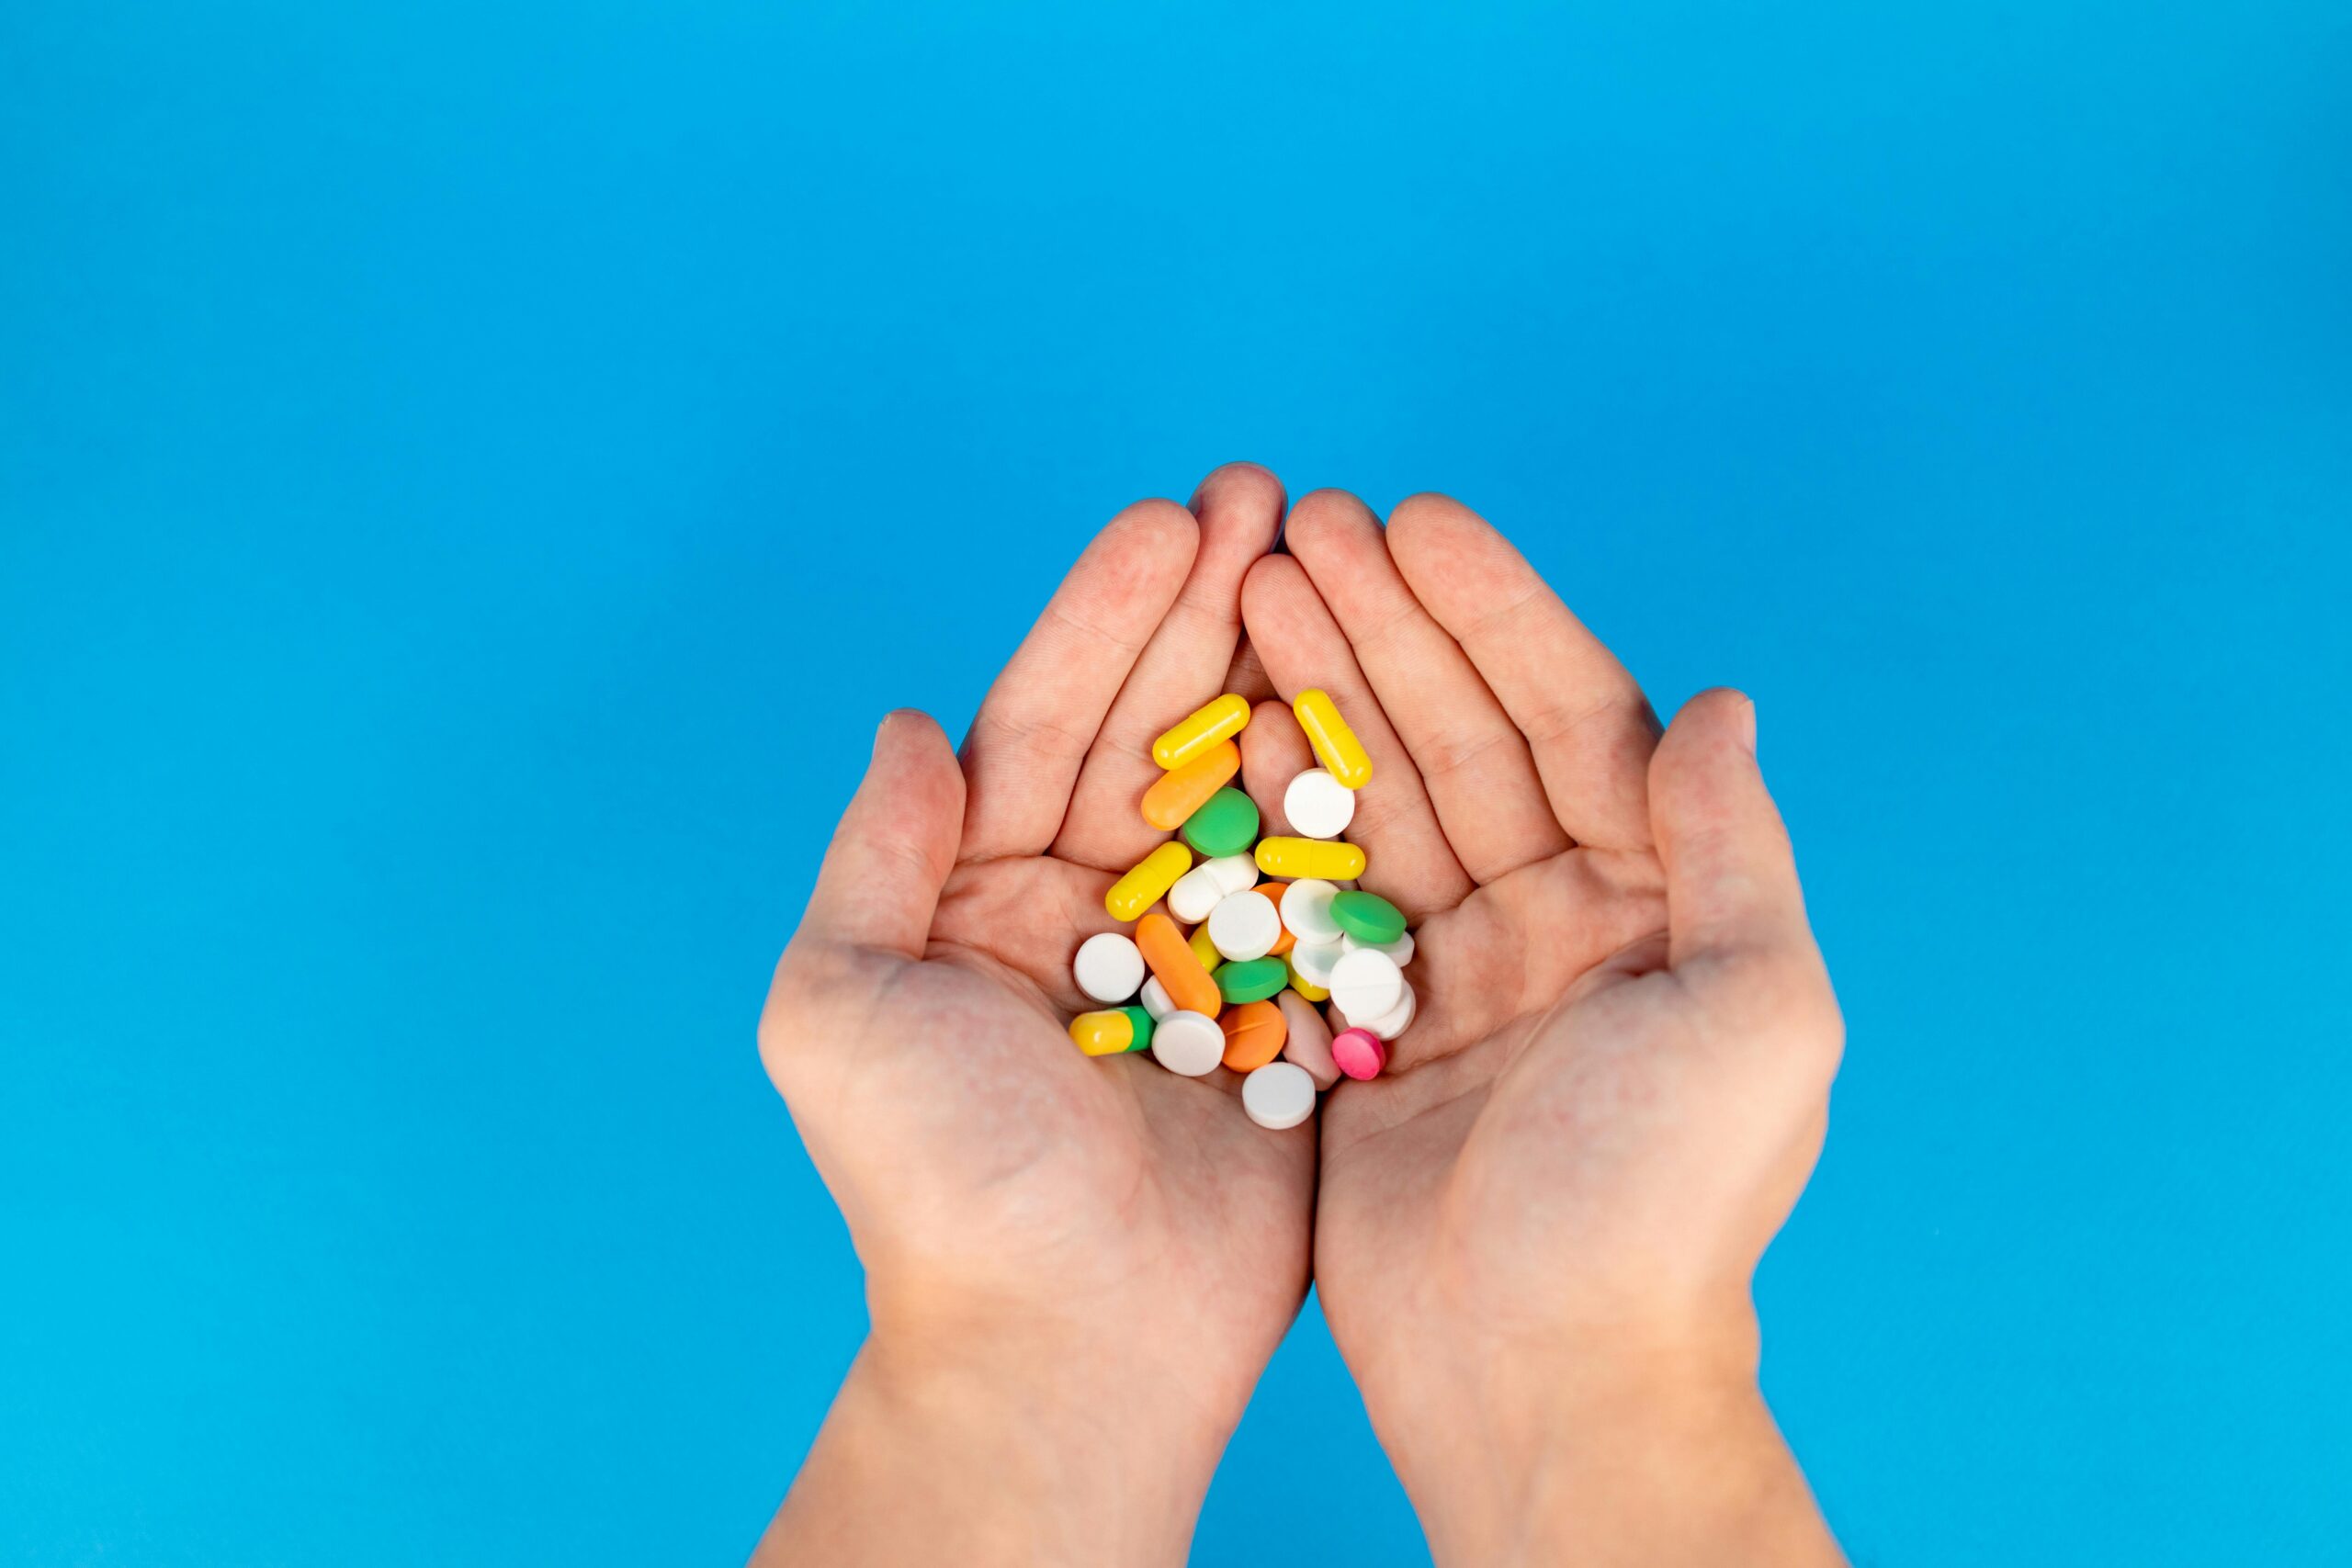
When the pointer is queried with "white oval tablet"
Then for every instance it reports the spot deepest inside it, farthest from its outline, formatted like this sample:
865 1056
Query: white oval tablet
1233 873
1156 1000
1314 960
1400 951
1244 926
1195 895
1307 1039
1278 1095
1109 967
1318 805
1392 1022
1188 1043
1306 910
1365 984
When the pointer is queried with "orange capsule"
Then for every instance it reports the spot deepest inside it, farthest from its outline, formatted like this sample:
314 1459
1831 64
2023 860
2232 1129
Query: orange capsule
1287 940
1176 966
1254 1033
1180 791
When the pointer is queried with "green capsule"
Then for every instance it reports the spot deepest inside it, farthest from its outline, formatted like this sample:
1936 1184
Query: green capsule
1252 980
1141 1021
1227 824
1367 917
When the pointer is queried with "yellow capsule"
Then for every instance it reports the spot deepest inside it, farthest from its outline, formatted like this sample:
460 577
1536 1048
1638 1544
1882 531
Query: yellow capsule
1204 949
1336 746
1305 986
1102 1034
1201 729
1294 858
1149 881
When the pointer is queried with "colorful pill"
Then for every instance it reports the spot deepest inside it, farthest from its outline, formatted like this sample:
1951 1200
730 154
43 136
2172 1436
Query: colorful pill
1320 858
1205 727
1173 964
1182 791
1336 746
1282 942
1367 917
1358 1053
1278 1095
1307 1039
1252 980
1111 1030
1108 968
1151 878
1227 824
1204 948
1308 989
1254 1033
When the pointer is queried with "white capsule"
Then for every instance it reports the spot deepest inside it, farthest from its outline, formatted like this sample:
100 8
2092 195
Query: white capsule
1244 926
1109 967
1195 895
1234 874
1278 1095
1156 1000
1365 984
1392 1022
1308 1038
1306 910
1188 1043
1318 805
1400 951
1314 960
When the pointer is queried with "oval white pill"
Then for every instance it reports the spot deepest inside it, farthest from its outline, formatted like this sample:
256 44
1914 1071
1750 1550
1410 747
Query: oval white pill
1278 1095
1318 805
1233 873
1314 960
1188 1043
1244 926
1365 984
1306 910
1109 967
1400 951
1155 1000
1308 1038
1195 895
1392 1022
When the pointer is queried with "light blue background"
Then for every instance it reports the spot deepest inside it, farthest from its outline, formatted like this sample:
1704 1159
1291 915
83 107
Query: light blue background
471 477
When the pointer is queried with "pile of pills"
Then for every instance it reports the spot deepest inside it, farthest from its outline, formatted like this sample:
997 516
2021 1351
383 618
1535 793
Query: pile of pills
1245 984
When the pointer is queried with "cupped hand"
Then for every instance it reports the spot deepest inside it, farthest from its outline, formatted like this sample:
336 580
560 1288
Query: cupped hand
1546 1213
1112 1240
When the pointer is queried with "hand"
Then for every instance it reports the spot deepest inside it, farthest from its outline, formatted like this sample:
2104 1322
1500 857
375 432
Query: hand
1076 1266
1535 1233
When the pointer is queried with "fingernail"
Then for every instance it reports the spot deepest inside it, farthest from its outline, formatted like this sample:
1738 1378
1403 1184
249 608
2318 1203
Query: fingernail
1748 726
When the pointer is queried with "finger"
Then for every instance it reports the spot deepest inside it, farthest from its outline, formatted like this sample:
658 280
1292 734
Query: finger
1585 721
1033 727
1303 647
1732 896
1273 751
1472 757
1186 663
879 883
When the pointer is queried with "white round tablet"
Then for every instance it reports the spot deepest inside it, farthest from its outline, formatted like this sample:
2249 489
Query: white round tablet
1278 1095
1400 951
1314 960
1306 910
1188 1043
1195 895
1318 805
1156 1000
1396 1021
1365 984
1109 967
1307 1039
1233 873
1244 926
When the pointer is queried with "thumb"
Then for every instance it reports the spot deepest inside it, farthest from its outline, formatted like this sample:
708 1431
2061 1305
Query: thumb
1730 878
879 883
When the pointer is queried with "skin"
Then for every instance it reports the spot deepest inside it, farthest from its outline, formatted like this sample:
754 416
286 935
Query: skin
1534 1234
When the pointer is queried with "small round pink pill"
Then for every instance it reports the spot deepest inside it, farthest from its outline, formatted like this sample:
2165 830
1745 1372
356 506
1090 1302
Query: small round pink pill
1358 1053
